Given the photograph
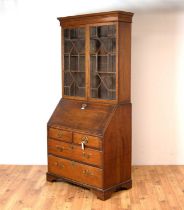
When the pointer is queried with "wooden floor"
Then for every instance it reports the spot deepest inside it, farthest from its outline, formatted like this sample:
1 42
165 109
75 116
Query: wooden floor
154 188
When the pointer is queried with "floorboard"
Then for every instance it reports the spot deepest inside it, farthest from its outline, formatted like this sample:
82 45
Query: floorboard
154 188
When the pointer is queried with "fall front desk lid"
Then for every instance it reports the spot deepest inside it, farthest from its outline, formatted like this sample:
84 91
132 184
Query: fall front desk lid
82 116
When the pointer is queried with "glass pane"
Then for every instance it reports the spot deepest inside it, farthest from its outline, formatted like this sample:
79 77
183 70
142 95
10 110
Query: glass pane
74 62
103 62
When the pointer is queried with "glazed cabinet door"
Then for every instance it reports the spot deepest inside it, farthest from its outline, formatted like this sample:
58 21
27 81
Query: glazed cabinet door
74 62
103 62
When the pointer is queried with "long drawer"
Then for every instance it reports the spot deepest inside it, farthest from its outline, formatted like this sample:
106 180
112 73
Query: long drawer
75 171
75 152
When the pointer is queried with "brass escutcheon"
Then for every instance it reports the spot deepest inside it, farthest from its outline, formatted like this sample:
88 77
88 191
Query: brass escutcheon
73 163
60 134
56 163
83 106
85 139
86 155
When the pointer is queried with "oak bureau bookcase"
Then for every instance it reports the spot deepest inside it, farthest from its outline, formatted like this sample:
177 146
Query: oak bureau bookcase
89 132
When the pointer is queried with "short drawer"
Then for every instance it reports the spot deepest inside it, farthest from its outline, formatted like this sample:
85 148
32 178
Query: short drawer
75 171
92 141
75 152
60 134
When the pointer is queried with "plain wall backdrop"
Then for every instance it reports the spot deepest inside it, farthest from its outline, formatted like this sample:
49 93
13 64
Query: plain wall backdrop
30 76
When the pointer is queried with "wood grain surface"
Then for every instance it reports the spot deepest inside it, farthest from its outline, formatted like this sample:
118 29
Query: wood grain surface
154 188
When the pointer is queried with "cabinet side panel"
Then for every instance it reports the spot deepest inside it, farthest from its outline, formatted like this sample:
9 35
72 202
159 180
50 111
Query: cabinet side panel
124 62
117 147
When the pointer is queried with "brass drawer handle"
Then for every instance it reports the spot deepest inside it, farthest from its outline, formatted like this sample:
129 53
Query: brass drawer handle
83 142
87 172
59 164
86 155
60 149
73 163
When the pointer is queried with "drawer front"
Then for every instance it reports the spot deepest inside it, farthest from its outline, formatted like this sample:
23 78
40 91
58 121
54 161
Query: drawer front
92 141
75 152
75 171
60 134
